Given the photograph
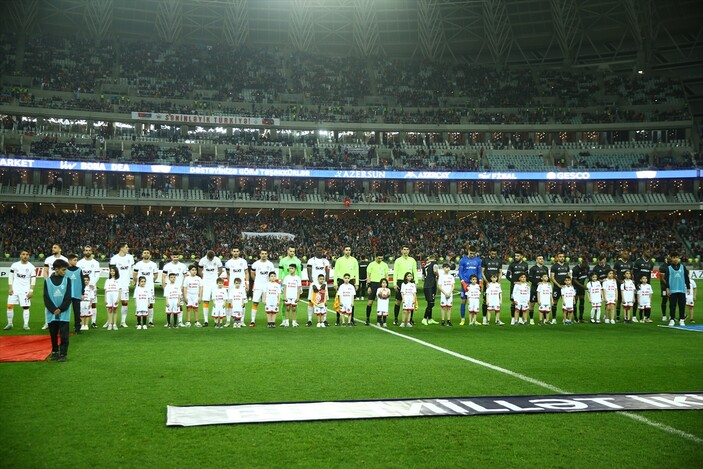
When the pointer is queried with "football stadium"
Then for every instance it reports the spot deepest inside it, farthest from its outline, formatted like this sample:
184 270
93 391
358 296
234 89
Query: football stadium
348 233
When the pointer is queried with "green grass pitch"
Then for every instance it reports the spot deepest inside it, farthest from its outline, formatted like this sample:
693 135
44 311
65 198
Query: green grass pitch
106 407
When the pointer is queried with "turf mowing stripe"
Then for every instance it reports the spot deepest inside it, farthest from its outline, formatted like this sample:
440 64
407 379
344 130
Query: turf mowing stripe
638 418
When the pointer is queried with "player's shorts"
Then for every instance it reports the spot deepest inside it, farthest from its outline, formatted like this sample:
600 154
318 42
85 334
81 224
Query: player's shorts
398 295
627 304
689 301
125 294
237 315
373 286
272 310
112 298
152 297
596 305
430 294
85 310
256 296
643 307
533 294
291 302
556 294
218 312
382 313
345 309
320 310
568 310
473 305
192 300
545 308
495 308
521 307
208 290
141 314
446 300
610 301
172 306
19 298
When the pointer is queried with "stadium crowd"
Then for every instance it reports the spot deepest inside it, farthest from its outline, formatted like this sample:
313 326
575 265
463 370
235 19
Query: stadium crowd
367 235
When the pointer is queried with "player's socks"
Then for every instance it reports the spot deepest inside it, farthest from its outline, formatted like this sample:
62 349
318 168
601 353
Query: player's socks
309 313
228 316
94 314
254 308
150 314
10 314
25 316
396 311
368 312
462 310
124 314
206 310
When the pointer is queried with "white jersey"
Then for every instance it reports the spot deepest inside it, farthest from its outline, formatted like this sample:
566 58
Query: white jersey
178 268
408 292
142 295
21 276
628 289
87 299
446 283
49 262
473 293
262 269
568 296
192 285
346 293
521 295
382 303
112 292
291 285
238 298
172 294
493 296
691 293
124 265
644 296
219 300
318 266
91 268
610 287
273 292
211 269
147 269
595 292
236 268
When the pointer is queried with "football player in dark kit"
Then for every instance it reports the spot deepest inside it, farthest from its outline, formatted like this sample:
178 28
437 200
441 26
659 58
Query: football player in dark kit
580 275
492 265
620 266
516 268
430 271
601 268
663 269
534 275
642 267
557 274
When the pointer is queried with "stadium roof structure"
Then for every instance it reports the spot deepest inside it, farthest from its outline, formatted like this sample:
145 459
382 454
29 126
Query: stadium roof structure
635 33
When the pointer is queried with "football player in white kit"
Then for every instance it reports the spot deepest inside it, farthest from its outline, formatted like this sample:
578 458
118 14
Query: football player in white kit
124 262
91 267
179 269
149 270
316 266
210 268
49 266
20 283
236 268
260 271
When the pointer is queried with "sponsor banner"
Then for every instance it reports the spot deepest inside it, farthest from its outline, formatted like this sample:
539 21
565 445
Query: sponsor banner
430 407
338 174
197 119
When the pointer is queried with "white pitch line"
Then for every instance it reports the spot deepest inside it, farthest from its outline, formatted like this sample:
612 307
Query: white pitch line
542 384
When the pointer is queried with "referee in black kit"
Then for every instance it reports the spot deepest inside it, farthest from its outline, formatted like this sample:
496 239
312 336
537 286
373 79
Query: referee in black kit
429 276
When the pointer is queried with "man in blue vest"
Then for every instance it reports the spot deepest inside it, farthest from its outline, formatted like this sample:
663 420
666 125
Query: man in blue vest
57 300
677 283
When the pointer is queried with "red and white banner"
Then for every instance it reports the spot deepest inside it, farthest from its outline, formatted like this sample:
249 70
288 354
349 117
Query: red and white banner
205 120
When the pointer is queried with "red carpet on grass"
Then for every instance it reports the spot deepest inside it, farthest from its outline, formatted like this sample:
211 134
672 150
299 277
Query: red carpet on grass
24 348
